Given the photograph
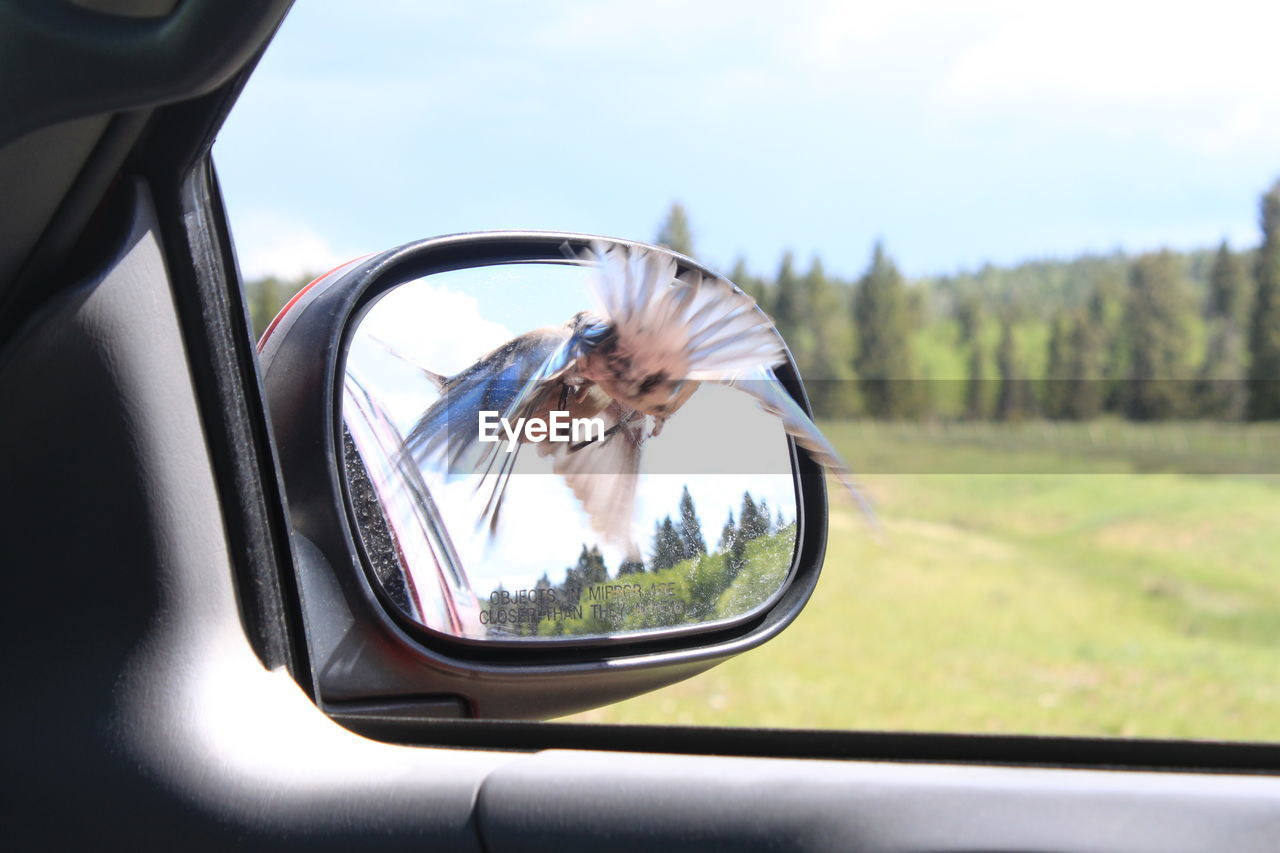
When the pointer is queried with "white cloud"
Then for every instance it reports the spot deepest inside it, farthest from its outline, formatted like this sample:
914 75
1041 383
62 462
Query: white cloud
269 243
435 326
419 326
665 22
816 127
1201 76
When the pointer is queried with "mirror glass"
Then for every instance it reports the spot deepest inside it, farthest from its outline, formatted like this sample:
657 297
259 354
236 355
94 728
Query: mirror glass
597 522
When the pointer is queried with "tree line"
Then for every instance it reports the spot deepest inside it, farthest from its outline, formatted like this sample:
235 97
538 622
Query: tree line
675 542
1155 336
678 554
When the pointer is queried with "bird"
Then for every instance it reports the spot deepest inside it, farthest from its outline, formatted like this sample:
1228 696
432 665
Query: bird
656 334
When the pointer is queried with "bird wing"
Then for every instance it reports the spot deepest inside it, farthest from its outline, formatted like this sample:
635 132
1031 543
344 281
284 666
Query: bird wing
769 392
446 437
602 474
686 327
515 380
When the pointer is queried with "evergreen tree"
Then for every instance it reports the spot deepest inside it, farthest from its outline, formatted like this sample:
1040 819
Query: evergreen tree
736 559
752 285
675 233
1105 312
1229 290
1013 402
969 320
766 518
1084 391
599 573
266 296
827 363
1055 386
882 319
916 313
667 547
728 534
791 310
1102 306
630 567
591 567
543 584
691 542
749 521
1221 391
972 321
1264 333
1158 320
975 393
588 571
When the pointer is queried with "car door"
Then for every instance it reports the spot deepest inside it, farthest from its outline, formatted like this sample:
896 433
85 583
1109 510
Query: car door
153 628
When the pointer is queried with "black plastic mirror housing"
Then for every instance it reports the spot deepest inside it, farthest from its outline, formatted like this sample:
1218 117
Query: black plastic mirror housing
369 663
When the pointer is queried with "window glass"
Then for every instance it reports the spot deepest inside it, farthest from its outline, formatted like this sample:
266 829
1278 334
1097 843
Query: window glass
1027 258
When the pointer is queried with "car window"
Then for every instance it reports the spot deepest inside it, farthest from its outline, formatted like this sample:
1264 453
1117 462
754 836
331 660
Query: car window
1027 259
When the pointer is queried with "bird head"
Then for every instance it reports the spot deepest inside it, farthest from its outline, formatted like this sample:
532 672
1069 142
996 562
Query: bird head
590 328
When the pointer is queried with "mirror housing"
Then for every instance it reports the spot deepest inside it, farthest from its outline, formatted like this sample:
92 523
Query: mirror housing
370 664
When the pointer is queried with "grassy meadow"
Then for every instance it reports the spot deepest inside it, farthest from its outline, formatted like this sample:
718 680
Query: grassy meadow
1092 579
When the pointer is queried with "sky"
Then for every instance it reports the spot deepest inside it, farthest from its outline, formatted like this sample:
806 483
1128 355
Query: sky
956 133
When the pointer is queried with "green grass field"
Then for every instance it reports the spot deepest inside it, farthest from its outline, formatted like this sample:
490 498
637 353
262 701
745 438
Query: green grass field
1097 581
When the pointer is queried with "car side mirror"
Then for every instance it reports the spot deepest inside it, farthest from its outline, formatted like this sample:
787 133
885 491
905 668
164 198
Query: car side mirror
532 473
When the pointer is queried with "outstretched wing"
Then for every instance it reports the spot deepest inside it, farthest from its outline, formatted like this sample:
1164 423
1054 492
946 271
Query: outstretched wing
446 437
774 398
689 327
515 380
602 473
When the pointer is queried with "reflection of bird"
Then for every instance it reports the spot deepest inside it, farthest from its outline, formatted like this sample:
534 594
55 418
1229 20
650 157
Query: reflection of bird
633 364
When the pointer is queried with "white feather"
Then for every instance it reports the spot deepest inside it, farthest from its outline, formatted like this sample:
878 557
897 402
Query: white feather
701 329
